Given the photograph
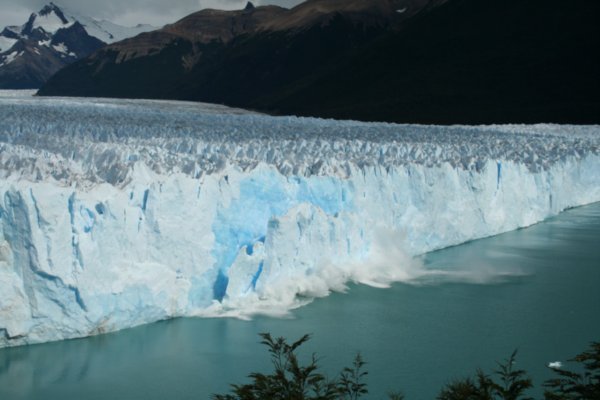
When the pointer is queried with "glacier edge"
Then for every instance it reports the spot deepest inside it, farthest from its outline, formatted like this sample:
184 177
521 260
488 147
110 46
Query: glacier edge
102 230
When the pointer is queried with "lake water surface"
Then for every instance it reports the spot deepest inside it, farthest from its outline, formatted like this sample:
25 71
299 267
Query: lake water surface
535 289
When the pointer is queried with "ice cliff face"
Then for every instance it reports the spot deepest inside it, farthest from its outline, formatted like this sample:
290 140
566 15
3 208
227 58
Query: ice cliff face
115 213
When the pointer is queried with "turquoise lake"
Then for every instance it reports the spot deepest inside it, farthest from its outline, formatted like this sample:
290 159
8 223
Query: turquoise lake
536 290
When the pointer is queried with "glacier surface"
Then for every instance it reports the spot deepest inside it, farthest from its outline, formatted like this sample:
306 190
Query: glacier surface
115 213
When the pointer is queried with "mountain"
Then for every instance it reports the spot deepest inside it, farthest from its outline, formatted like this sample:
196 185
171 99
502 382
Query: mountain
425 61
51 39
166 63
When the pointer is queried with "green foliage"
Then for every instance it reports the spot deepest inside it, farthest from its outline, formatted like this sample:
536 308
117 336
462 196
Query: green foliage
351 383
479 388
512 385
513 382
395 396
571 385
290 380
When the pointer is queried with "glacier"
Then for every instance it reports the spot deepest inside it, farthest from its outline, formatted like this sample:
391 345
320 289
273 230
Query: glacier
116 213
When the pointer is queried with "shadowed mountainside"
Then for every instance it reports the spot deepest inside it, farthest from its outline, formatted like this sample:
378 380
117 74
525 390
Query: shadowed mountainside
456 61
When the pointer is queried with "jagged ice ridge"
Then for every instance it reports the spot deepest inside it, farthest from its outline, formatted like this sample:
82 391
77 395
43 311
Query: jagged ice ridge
115 213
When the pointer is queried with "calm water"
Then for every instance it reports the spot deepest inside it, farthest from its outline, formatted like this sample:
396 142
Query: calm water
535 289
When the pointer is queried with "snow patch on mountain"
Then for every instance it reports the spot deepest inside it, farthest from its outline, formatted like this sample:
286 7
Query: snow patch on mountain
51 19
106 31
51 39
61 48
115 213
9 58
6 43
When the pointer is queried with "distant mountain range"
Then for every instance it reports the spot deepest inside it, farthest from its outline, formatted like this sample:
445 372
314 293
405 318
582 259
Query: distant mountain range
425 61
51 39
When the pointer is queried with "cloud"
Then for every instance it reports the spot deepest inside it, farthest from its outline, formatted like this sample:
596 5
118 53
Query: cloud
126 12
15 14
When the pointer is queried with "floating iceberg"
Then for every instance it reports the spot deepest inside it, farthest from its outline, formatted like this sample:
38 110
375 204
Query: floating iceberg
115 213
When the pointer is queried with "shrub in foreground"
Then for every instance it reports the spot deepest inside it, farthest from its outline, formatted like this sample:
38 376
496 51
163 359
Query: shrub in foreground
291 380
570 385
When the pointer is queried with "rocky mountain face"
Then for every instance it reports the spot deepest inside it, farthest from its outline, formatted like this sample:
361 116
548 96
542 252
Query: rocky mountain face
427 61
50 40
166 62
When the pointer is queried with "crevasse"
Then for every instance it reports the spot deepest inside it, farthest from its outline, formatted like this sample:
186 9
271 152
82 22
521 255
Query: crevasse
115 213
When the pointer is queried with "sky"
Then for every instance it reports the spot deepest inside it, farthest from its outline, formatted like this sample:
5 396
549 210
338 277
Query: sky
126 12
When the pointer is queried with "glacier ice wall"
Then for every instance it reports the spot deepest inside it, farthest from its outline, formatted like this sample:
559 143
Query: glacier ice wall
115 213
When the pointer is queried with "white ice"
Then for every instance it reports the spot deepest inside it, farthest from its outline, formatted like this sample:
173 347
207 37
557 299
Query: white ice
115 213
555 365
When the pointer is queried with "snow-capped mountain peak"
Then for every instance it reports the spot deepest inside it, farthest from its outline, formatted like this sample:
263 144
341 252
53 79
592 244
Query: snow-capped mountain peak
50 18
53 17
46 21
106 31
50 39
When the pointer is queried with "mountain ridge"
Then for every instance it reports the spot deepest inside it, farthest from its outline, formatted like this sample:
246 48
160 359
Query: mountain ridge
449 62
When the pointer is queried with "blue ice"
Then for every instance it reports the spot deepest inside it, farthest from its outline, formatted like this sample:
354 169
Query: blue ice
263 196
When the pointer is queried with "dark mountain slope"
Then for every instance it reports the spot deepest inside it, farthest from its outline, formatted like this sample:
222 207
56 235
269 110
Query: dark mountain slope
176 61
465 61
470 62
264 70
